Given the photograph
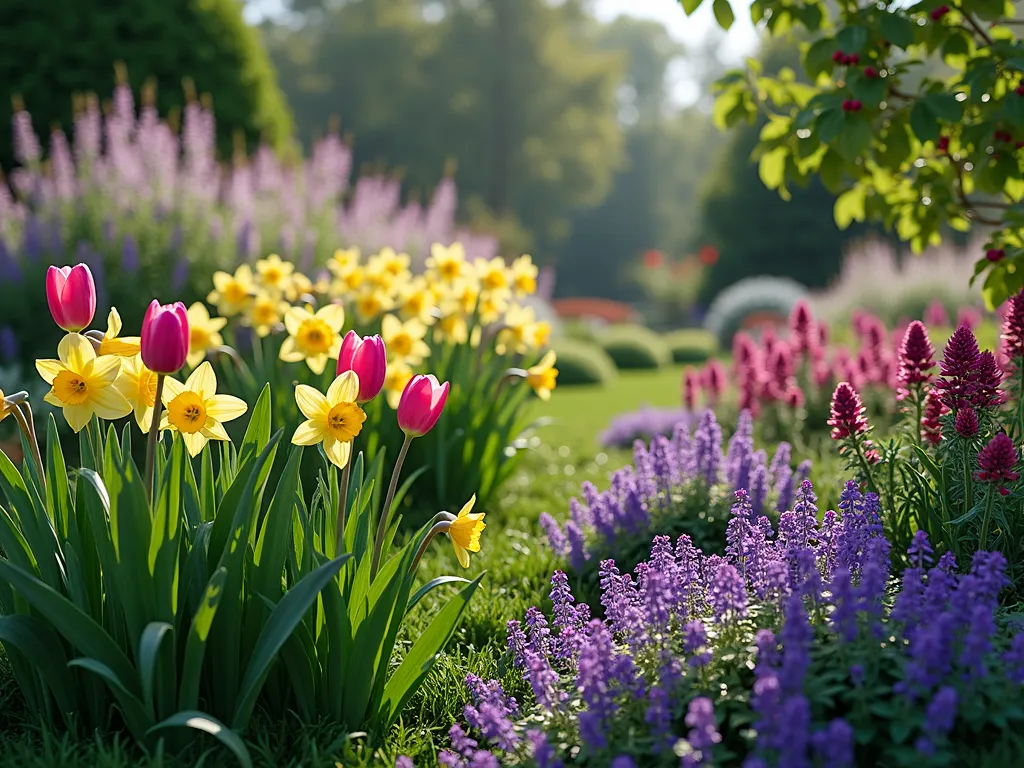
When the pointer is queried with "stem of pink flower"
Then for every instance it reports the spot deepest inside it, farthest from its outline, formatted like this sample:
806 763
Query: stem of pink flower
968 485
154 435
385 512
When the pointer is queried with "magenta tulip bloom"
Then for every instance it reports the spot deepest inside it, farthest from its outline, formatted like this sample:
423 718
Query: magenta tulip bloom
71 294
422 402
367 357
165 337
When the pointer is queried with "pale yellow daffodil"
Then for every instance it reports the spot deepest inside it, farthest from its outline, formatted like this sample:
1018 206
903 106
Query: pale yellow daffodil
204 333
315 338
138 385
196 411
542 376
82 384
333 419
232 294
112 344
404 341
465 531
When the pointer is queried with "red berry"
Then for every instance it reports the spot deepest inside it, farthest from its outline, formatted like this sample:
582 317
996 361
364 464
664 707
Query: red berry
1018 144
855 105
943 144
939 12
838 57
870 72
995 254
847 105
1019 90
853 58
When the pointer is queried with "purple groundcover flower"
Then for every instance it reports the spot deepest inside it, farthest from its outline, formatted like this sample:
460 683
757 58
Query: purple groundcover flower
644 424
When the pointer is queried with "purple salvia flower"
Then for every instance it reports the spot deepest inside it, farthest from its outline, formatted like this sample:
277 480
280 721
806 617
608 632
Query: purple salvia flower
795 722
556 539
796 637
623 761
931 655
784 488
1014 660
703 735
8 344
941 712
544 681
179 277
601 671
461 742
581 514
578 555
741 446
782 457
539 632
708 448
833 746
727 593
659 718
844 616
695 644
977 643
803 472
665 463
685 456
758 488
590 493
542 751
130 255
643 467
517 642
404 762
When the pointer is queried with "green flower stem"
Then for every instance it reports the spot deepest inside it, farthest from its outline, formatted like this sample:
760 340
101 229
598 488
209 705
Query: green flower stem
339 541
440 524
968 485
154 436
385 512
23 415
989 500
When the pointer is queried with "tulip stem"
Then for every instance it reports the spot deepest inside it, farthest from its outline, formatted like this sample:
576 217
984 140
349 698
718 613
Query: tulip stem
339 541
154 434
385 512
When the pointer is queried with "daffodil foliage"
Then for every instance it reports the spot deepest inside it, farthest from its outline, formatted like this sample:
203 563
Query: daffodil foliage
223 593
912 111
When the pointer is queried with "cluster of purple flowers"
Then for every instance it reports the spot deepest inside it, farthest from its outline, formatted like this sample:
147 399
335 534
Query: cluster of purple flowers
781 592
663 474
644 424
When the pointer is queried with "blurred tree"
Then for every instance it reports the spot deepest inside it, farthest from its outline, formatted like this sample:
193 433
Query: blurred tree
54 49
516 90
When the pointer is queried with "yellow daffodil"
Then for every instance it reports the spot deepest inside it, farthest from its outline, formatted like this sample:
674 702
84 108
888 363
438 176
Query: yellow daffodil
491 307
196 411
542 376
265 314
539 334
453 328
125 346
138 385
333 420
524 276
275 275
513 336
417 300
82 384
404 341
314 338
343 261
348 282
493 274
5 409
377 277
467 295
465 531
299 286
395 264
449 264
398 375
232 294
204 333
370 304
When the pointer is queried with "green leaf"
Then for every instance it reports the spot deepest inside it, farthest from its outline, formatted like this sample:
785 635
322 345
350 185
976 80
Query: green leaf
1013 108
818 58
851 39
850 207
42 647
689 6
855 138
421 657
831 170
200 721
896 28
134 712
923 122
897 145
257 433
723 13
279 627
195 646
830 124
772 167
275 534
149 647
944 106
431 585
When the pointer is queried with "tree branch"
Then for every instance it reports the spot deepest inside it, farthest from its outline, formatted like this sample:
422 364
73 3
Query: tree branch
973 26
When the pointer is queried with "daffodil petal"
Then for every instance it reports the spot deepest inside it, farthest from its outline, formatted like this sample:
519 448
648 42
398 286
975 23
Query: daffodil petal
344 389
308 433
290 351
104 370
461 554
113 324
338 452
109 404
194 442
203 380
214 430
225 407
78 416
317 363
294 318
52 399
49 369
311 402
333 315
468 506
172 388
75 351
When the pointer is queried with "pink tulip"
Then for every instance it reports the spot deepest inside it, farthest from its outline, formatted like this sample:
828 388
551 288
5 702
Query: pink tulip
165 337
367 357
422 402
71 294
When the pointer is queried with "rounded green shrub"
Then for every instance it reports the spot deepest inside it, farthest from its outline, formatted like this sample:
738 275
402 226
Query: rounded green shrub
50 51
691 345
750 299
582 362
635 346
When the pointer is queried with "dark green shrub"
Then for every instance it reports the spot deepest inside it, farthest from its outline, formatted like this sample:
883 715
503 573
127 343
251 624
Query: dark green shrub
51 50
581 362
634 346
690 345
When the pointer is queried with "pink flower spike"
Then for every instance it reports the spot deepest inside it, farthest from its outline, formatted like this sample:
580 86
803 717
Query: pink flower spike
71 296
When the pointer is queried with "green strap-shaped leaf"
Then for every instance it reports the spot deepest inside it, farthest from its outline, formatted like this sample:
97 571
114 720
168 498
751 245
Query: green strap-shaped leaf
149 647
68 619
42 648
279 627
431 585
200 721
195 646
135 715
257 433
275 533
418 662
